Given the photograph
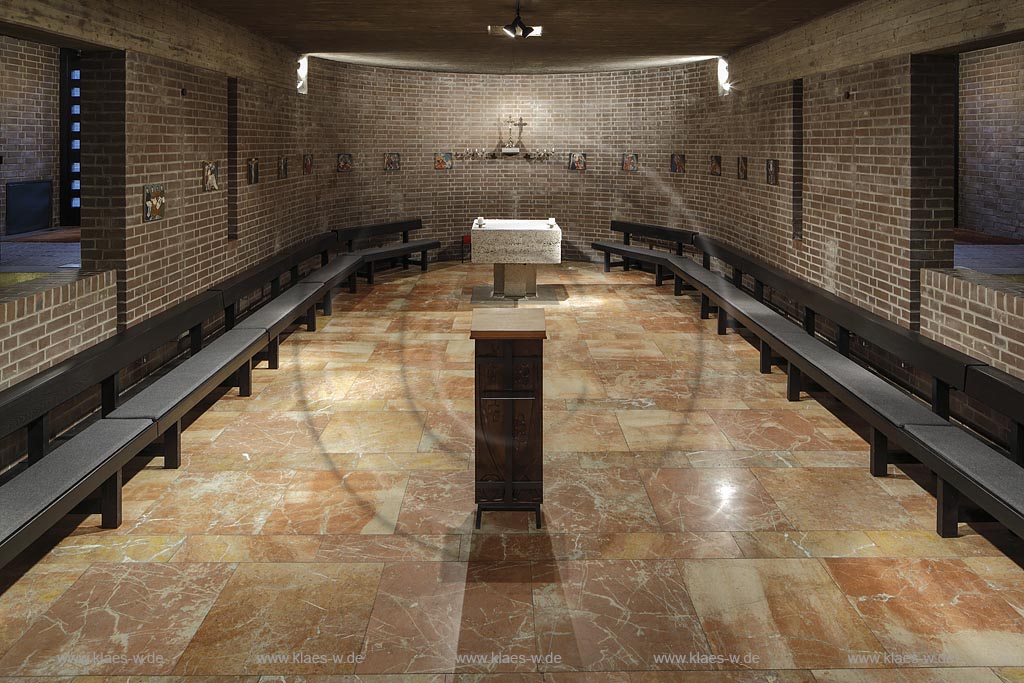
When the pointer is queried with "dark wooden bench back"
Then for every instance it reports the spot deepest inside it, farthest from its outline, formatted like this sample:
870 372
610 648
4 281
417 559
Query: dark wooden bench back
365 232
29 402
678 235
270 271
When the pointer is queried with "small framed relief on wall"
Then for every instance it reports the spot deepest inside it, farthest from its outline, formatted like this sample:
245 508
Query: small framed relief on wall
282 168
577 161
741 168
630 163
253 170
392 161
715 165
153 202
307 164
443 161
771 171
678 163
211 176
344 163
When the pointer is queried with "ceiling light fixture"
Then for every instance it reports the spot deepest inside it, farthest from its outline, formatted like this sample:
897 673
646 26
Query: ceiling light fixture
517 27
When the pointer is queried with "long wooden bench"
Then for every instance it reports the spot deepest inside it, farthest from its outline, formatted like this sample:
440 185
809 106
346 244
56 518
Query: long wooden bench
680 237
38 492
966 468
397 253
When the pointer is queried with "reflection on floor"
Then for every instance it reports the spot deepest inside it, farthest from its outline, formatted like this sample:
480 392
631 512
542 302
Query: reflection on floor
694 520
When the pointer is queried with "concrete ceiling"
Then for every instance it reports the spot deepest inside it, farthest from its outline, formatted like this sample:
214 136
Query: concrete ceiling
579 35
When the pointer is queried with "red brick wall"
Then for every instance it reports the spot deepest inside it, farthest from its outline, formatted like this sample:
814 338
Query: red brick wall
991 165
29 118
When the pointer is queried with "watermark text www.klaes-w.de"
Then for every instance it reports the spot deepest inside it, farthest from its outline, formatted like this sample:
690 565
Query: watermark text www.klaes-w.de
897 658
706 659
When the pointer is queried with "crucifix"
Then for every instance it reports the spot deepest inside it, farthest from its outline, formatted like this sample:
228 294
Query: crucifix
511 122
522 124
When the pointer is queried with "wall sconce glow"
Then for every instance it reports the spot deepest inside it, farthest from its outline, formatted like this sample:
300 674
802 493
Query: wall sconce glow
724 85
303 75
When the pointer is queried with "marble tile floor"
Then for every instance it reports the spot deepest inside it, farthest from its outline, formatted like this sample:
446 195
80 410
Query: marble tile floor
699 527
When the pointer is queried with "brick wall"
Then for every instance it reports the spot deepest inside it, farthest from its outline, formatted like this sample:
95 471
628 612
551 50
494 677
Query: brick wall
29 118
979 314
41 329
991 165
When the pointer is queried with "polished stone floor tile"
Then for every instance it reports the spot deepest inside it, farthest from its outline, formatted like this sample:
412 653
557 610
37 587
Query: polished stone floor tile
582 430
120 619
602 615
214 503
933 608
496 630
248 549
712 500
958 675
390 548
779 430
829 498
593 502
662 430
333 502
374 432
24 596
416 618
786 613
285 618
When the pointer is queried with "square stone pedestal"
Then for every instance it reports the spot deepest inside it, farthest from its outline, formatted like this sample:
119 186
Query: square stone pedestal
515 280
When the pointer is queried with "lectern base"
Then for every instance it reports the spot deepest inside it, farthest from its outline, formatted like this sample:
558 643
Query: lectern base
502 507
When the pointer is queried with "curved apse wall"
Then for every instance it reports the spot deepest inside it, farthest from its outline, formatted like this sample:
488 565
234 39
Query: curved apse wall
654 112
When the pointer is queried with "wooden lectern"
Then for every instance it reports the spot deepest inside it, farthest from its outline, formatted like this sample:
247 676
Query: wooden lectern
509 409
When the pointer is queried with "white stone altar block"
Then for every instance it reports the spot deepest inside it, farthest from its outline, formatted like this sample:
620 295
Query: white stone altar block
515 247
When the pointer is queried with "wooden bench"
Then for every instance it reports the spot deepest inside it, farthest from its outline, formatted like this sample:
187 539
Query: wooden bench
47 485
398 253
680 237
966 468
37 497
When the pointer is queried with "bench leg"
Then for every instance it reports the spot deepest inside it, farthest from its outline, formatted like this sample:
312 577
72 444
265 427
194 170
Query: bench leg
607 261
843 342
794 383
659 274
1017 443
879 458
423 261
110 501
353 283
275 287
405 262
940 398
328 304
109 391
766 358
625 263
679 286
195 339
723 321
38 438
230 316
947 513
311 319
172 447
244 379
369 273
274 353
705 307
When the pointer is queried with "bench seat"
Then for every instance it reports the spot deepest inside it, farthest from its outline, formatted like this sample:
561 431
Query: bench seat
333 274
170 397
395 251
967 467
38 497
279 313
628 252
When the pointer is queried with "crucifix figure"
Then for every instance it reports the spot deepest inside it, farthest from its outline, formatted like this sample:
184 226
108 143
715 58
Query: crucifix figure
522 124
511 122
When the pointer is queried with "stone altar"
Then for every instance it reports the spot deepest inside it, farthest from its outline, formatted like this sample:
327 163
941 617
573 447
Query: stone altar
515 247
